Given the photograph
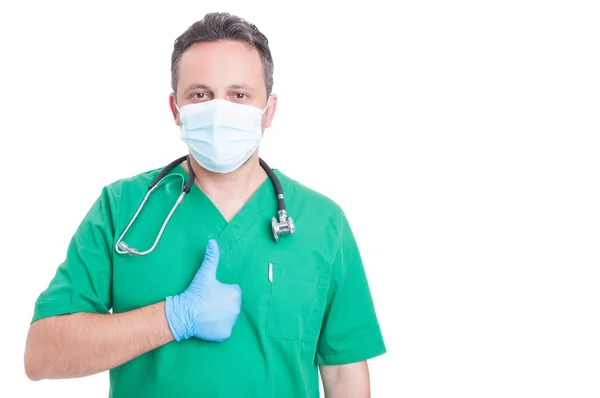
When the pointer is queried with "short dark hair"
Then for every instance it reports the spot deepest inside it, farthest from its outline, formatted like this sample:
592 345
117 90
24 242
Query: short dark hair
223 26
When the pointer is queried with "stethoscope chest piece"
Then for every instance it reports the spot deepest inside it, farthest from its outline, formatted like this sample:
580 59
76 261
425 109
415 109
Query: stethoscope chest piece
284 225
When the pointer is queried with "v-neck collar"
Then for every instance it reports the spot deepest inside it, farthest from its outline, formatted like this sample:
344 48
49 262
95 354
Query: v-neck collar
229 233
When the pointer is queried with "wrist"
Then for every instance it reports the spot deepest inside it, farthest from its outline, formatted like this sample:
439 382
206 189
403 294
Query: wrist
176 312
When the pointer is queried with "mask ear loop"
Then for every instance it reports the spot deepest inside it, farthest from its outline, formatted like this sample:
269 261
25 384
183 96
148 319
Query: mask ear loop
178 109
266 107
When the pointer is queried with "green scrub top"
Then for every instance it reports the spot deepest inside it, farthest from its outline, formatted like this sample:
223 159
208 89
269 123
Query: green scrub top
315 309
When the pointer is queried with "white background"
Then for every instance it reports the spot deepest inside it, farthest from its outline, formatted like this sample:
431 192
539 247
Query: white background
461 138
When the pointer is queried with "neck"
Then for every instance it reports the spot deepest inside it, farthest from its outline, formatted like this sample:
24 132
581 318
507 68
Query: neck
239 184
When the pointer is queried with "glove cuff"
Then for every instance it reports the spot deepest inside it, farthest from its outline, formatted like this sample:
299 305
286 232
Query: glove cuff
175 311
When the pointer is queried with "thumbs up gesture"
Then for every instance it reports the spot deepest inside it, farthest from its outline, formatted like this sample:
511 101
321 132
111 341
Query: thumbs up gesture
207 309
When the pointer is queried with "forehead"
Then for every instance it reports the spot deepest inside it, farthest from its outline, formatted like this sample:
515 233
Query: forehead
220 64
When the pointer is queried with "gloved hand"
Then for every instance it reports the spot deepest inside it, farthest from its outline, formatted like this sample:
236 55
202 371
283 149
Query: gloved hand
207 309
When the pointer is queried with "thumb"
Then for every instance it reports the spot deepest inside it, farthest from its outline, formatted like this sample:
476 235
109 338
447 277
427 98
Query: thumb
211 260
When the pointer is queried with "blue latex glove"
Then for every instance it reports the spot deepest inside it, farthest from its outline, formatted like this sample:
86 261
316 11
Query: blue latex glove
208 309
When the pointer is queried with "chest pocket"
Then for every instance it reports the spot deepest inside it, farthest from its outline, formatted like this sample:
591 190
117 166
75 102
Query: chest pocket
298 301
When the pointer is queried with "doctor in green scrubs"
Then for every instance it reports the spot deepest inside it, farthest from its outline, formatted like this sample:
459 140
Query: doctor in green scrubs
218 307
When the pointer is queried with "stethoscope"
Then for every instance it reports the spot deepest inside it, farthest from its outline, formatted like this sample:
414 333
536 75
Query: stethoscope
280 225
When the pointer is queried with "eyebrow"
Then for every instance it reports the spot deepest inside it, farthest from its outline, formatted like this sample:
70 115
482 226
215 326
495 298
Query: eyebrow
199 86
240 86
196 87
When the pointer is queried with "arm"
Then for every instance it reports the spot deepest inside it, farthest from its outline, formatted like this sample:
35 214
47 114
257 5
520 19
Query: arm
346 381
350 333
83 344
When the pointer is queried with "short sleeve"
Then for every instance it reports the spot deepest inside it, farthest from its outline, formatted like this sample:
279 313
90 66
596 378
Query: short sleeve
350 331
82 282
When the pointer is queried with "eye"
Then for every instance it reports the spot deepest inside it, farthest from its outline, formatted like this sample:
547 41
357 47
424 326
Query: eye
240 95
199 96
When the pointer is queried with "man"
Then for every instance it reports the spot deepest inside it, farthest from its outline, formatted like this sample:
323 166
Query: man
215 307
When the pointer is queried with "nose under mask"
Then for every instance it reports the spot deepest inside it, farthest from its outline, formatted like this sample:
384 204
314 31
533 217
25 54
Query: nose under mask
221 135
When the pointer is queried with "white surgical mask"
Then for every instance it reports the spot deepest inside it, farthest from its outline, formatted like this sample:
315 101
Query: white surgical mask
221 135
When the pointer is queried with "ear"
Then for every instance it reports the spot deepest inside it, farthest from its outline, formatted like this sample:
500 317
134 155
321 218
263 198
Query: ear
270 113
174 111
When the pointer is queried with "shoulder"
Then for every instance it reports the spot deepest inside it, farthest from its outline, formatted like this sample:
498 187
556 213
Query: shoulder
133 183
292 187
321 223
309 203
121 198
